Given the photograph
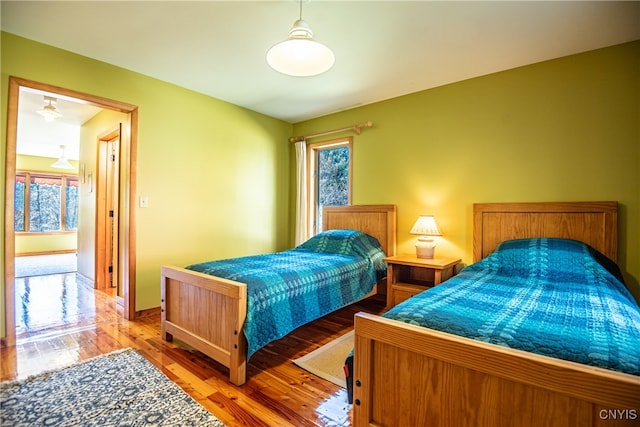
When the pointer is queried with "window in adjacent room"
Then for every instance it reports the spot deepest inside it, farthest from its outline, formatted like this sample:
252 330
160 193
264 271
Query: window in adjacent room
330 170
49 203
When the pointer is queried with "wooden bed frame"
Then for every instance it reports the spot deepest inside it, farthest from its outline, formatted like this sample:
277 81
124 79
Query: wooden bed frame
407 375
208 312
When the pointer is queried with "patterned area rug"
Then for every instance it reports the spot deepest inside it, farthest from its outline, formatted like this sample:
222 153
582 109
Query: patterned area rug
328 361
115 389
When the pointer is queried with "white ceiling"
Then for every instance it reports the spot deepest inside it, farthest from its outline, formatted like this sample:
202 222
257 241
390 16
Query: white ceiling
36 137
383 49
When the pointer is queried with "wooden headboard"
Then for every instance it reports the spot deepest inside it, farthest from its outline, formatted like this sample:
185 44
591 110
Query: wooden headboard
378 221
594 223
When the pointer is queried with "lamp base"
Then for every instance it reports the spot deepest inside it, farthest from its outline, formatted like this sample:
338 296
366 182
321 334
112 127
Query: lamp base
425 248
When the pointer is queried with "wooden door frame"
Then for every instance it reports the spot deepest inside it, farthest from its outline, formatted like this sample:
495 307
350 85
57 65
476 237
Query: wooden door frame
127 255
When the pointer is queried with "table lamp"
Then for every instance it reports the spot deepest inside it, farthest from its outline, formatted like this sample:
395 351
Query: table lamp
425 226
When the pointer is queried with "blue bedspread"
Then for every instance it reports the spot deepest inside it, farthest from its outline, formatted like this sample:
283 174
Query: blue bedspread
288 289
553 297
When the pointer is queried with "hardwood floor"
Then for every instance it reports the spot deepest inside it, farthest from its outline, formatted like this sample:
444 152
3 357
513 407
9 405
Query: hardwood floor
277 392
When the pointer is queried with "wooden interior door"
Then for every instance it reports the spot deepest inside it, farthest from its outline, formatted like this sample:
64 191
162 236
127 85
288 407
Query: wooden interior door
112 207
107 211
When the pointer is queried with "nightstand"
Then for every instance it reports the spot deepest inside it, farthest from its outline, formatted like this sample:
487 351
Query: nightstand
408 275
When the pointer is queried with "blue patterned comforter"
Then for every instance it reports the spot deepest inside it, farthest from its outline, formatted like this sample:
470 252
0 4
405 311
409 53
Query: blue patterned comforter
288 289
554 297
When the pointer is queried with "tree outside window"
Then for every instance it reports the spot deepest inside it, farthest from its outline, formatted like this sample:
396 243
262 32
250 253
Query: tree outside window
48 204
330 178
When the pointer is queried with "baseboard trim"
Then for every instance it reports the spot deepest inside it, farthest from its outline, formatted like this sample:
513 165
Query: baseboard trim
154 311
84 280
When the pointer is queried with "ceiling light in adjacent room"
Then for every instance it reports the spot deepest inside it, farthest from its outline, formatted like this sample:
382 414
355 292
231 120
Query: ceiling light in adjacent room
49 111
62 162
300 55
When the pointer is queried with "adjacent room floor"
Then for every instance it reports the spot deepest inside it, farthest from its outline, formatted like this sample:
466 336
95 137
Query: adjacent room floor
39 265
50 301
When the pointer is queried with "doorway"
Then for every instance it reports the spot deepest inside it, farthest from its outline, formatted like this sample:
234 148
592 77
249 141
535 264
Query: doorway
123 269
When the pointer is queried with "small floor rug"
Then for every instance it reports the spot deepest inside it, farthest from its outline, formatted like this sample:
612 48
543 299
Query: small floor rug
328 361
40 265
115 389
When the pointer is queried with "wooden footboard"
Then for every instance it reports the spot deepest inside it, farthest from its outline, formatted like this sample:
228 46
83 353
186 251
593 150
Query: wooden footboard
207 313
407 375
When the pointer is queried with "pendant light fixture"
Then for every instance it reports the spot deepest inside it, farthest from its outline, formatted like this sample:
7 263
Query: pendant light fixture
300 55
62 162
49 111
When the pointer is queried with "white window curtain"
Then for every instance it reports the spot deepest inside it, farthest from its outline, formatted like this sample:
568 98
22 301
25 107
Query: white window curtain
301 198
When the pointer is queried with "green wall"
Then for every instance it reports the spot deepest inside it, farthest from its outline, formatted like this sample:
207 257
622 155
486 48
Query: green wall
209 168
561 130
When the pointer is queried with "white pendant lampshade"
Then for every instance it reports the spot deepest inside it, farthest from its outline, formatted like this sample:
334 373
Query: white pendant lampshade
62 162
425 227
49 111
300 55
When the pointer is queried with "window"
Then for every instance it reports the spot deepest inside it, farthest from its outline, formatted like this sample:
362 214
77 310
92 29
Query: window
330 178
48 204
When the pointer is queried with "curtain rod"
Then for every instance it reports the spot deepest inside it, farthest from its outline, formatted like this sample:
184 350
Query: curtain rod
355 128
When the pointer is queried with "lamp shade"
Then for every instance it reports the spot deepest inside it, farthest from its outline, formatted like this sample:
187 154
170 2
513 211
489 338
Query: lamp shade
426 226
49 111
62 162
300 55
